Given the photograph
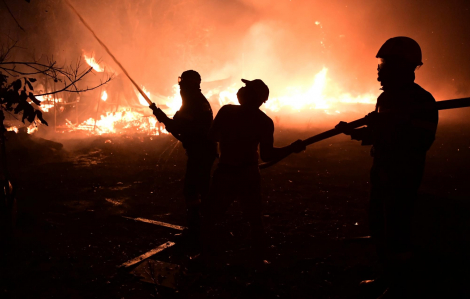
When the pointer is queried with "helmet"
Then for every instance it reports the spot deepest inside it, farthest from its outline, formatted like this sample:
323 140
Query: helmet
191 77
403 48
259 87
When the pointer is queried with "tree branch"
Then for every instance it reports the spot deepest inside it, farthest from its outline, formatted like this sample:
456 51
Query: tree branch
73 82
4 53
13 16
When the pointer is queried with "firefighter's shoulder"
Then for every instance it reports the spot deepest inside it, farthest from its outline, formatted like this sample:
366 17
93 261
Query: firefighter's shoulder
265 120
421 95
206 106
228 108
425 119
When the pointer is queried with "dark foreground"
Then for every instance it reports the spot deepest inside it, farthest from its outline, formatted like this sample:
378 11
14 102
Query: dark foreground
71 235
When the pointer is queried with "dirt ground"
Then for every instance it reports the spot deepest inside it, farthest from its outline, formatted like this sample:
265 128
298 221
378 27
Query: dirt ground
71 234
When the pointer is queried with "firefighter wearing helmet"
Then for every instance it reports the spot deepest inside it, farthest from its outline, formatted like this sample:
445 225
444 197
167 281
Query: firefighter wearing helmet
400 137
190 125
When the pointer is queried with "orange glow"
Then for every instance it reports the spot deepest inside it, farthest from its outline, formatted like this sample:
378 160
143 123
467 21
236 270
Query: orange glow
119 122
320 95
317 57
104 96
173 102
32 128
47 102
92 62
142 100
12 129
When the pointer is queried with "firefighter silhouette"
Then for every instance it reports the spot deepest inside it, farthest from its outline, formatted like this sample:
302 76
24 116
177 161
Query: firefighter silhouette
400 136
190 125
239 130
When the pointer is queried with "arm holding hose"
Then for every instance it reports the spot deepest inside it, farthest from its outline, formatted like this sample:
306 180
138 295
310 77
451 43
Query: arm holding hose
364 134
269 153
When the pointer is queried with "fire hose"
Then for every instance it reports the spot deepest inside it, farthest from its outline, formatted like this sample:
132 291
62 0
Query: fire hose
109 52
441 105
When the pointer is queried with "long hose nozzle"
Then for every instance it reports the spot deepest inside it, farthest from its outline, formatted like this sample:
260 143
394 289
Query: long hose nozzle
109 52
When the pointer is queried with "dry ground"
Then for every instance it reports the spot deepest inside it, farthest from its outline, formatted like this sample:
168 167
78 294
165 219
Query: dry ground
71 235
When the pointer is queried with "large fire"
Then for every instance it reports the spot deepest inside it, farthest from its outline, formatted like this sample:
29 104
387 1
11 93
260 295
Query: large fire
47 102
321 95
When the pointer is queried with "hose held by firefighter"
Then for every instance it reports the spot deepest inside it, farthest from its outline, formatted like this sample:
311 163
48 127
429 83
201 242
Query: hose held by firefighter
400 136
191 125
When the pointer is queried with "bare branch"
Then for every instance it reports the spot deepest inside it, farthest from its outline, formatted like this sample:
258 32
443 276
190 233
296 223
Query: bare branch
82 90
4 53
13 16
10 113
8 72
22 73
72 83
50 70
37 64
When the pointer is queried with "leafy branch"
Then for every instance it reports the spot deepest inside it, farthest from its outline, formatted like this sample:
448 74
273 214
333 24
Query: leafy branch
17 96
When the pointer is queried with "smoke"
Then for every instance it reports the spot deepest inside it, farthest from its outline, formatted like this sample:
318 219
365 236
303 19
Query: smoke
285 43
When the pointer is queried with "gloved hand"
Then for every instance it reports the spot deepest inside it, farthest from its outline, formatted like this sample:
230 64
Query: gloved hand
297 146
159 114
153 107
372 118
344 128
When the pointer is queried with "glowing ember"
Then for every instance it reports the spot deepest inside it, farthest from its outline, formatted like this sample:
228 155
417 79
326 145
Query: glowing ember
33 127
12 129
47 102
92 62
104 96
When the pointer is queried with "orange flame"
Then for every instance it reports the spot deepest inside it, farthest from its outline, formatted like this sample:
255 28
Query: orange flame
142 101
12 129
104 96
47 102
92 62
321 95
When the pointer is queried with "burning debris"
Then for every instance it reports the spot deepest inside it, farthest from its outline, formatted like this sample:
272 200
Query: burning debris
119 116
92 62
